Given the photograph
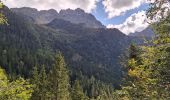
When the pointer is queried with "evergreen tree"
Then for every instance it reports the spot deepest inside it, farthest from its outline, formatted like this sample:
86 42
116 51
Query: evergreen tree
148 71
43 86
35 73
59 79
77 92
40 81
36 81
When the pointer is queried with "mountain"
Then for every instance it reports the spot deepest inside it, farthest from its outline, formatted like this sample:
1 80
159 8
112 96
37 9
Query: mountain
77 16
97 51
39 17
148 32
91 51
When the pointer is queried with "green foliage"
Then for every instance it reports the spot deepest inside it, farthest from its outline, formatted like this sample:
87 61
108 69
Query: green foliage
24 45
19 89
43 84
51 85
77 92
59 79
35 81
57 85
158 8
96 90
3 78
148 66
3 19
40 81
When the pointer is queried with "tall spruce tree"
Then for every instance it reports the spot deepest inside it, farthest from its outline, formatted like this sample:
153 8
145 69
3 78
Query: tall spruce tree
35 81
77 92
43 86
59 79
40 81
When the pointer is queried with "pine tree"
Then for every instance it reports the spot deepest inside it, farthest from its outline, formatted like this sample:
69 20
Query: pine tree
59 79
36 81
35 73
43 86
77 92
40 81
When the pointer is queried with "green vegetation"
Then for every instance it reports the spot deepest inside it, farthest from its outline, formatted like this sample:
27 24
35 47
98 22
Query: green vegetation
24 45
148 67
56 85
59 79
19 89
3 20
77 92
146 71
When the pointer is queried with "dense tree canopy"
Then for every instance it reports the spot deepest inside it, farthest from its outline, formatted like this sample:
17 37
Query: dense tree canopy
19 89
148 67
147 74
3 20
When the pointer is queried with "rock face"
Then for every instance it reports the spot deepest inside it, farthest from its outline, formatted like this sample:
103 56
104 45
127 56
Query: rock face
77 16
39 17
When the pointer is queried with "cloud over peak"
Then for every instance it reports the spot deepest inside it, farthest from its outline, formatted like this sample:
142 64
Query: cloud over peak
135 23
118 7
87 5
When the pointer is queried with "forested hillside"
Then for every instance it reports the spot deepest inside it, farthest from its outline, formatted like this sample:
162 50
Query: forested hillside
62 60
94 52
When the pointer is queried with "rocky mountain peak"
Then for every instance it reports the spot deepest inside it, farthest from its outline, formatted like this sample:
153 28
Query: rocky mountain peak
79 10
77 16
70 11
25 11
50 11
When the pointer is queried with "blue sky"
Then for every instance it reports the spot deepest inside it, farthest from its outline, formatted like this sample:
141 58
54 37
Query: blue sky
101 15
129 16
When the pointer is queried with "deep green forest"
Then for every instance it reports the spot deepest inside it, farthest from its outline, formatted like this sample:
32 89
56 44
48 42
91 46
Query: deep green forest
52 62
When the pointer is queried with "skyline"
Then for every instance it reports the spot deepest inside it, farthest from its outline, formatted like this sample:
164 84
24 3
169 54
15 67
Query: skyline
128 16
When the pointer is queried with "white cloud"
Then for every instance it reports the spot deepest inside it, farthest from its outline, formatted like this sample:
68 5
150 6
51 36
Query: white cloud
87 5
135 23
118 7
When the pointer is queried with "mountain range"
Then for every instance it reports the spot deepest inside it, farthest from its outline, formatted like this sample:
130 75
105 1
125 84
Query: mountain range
77 16
32 38
148 32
